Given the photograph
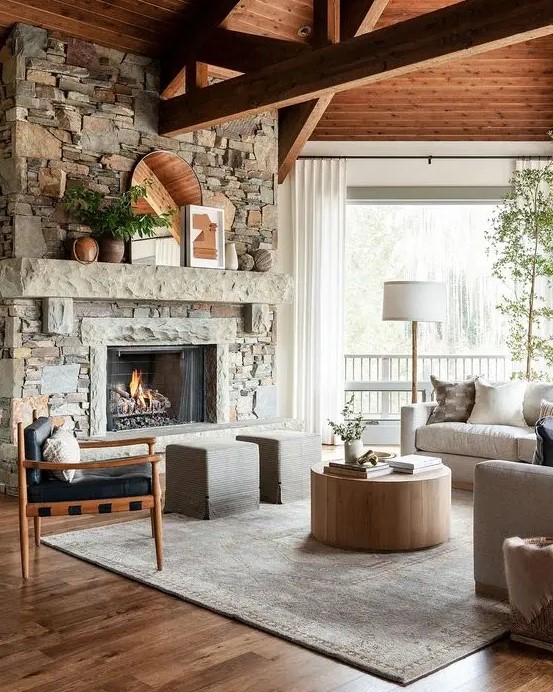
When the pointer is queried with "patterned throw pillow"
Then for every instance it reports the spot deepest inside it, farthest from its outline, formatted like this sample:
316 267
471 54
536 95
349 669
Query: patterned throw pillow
455 401
62 447
546 409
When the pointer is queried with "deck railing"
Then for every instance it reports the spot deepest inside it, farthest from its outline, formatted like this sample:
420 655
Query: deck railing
381 384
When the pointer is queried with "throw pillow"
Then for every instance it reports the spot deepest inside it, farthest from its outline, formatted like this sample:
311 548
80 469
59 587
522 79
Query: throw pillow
455 401
546 409
499 403
535 393
62 447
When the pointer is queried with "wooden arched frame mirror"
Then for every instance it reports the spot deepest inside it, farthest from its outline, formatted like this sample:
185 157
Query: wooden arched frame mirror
171 184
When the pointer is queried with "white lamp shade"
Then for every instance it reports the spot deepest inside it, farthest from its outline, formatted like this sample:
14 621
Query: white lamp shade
414 301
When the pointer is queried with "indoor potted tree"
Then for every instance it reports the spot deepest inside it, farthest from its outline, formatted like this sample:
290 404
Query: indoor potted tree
350 431
113 220
522 240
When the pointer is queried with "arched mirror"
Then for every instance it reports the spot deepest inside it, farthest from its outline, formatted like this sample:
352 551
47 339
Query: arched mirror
171 184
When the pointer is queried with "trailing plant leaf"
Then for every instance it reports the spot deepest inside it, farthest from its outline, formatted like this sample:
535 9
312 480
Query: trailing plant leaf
114 216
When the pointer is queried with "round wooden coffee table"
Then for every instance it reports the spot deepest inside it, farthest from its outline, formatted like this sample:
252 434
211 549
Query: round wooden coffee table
393 512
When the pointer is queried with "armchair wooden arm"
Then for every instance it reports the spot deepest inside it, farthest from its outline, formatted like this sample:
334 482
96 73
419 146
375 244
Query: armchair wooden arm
87 465
101 444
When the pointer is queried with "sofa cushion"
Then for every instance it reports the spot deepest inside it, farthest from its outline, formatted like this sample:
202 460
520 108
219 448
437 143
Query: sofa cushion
546 409
96 484
498 403
455 401
526 448
472 440
535 392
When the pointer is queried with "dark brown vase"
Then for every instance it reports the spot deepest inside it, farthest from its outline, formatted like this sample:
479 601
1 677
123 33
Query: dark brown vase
85 250
111 249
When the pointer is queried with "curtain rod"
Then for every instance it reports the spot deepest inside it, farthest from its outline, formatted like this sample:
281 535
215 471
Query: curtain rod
431 157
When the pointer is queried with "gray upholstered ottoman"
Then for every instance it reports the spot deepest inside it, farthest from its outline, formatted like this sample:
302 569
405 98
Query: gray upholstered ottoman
209 479
285 460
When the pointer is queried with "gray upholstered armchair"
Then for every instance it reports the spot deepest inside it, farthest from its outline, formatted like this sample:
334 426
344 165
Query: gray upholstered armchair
510 499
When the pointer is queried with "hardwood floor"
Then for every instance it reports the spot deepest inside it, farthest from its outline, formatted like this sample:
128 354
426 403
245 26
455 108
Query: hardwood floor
74 627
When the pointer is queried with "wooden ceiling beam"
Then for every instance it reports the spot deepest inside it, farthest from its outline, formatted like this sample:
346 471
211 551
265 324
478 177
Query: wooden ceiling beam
297 123
195 31
461 30
326 22
360 16
238 51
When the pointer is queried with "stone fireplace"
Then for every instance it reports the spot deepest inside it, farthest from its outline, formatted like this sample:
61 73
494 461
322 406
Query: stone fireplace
149 386
72 113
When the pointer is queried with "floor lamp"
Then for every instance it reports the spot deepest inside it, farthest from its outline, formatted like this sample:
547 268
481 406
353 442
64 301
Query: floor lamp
414 301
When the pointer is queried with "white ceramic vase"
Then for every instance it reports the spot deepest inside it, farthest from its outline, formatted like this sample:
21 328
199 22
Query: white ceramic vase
352 451
231 256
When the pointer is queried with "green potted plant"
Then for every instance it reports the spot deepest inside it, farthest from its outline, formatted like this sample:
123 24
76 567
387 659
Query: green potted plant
113 220
350 431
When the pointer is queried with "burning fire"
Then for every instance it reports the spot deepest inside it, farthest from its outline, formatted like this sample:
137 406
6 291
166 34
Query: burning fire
136 389
137 398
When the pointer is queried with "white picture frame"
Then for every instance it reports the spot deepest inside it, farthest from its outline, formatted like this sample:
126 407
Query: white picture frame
204 237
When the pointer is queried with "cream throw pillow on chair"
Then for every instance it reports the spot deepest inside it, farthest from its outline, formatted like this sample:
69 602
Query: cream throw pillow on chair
498 404
62 447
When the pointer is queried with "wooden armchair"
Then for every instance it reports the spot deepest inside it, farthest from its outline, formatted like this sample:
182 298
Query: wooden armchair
113 485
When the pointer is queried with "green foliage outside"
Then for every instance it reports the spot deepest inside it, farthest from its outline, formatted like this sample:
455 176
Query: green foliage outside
430 241
114 216
522 240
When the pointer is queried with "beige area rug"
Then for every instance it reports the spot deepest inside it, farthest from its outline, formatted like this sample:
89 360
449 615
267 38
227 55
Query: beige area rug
400 616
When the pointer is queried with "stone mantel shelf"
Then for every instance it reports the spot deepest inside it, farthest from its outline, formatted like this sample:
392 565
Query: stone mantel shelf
50 278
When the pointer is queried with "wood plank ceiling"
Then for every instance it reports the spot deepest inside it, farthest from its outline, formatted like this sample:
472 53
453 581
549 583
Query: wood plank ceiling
501 95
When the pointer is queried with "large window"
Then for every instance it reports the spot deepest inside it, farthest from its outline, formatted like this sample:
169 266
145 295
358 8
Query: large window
424 241
427 242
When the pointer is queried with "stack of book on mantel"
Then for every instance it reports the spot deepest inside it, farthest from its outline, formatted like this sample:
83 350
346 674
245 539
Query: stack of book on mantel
335 468
414 463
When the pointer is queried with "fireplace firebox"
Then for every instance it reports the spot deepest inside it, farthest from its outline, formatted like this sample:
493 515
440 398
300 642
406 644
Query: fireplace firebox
153 386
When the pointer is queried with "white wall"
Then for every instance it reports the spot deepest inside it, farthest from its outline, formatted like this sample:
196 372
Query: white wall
408 172
390 172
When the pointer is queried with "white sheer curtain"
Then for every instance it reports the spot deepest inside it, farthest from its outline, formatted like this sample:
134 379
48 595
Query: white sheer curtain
319 217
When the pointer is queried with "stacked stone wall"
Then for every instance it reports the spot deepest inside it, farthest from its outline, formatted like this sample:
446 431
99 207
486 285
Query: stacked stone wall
78 113
71 113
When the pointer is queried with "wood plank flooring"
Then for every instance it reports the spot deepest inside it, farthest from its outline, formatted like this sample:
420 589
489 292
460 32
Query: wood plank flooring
74 627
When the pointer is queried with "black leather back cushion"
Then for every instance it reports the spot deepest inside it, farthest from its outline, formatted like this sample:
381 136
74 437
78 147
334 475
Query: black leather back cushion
35 435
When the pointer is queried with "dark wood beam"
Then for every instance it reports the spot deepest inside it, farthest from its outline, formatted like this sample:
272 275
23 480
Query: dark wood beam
238 51
189 38
295 126
461 30
297 123
360 16
326 22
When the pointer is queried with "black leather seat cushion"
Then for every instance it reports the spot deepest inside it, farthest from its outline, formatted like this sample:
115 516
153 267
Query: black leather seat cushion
99 484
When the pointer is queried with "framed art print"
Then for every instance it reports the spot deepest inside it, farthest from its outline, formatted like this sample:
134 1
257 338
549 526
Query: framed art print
204 236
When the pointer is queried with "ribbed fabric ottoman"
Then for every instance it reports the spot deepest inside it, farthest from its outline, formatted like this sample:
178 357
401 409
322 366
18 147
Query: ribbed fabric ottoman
285 460
209 479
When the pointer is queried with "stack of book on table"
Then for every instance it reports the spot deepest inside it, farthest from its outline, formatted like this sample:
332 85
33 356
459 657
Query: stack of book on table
335 468
414 463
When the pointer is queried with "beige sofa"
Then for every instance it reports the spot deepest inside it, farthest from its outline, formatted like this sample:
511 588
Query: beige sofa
463 445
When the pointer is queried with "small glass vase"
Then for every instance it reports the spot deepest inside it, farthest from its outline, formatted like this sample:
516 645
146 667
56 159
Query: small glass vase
353 451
